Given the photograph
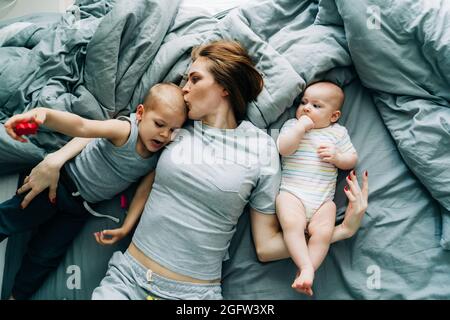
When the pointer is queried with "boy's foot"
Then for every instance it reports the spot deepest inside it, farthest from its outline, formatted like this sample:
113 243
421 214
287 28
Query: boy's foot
304 281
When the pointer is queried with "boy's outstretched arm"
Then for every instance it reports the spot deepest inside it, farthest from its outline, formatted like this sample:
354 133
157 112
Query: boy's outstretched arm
72 125
134 212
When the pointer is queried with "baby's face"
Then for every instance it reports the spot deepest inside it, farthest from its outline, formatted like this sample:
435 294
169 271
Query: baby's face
321 103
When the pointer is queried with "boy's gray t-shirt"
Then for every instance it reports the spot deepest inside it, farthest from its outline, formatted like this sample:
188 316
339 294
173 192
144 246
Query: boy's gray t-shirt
203 182
102 170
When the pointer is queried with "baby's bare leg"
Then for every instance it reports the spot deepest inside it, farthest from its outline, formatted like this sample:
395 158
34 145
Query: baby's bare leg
291 214
321 229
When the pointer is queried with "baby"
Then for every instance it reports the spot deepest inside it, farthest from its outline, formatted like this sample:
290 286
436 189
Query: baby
312 146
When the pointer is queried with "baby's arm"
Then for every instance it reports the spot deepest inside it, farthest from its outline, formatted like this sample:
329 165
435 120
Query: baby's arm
342 154
288 141
346 161
134 212
72 125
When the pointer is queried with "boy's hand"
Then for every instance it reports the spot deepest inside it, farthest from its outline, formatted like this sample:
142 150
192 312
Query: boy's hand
37 116
328 153
108 237
306 123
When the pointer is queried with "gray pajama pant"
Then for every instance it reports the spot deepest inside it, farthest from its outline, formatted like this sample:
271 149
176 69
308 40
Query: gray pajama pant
127 279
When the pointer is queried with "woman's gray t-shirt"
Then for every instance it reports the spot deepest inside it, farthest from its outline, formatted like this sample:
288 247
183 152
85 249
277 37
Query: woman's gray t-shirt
204 180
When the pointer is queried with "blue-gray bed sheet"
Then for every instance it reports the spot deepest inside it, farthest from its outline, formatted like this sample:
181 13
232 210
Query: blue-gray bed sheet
391 59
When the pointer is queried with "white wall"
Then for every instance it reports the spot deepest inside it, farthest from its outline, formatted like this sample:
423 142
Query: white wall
24 7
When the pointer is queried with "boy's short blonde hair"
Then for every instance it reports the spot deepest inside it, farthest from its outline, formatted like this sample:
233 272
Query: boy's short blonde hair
165 94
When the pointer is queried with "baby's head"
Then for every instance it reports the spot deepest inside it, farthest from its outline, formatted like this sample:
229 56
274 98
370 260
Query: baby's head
162 112
321 102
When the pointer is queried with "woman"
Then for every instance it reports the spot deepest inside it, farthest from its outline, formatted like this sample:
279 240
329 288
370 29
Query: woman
203 181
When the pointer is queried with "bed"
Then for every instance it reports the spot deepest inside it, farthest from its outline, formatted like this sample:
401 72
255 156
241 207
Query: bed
391 58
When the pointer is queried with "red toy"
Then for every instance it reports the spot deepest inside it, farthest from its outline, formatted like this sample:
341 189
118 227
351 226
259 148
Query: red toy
25 128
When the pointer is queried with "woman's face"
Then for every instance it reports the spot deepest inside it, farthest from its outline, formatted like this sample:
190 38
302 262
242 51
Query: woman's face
202 93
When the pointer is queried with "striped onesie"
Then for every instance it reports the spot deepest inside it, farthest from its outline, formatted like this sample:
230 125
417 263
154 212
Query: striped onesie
304 174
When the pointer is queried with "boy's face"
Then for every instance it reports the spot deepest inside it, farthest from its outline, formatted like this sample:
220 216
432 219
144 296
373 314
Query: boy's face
158 124
320 104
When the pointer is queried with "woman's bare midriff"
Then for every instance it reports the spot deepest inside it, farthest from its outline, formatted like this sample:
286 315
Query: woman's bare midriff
160 270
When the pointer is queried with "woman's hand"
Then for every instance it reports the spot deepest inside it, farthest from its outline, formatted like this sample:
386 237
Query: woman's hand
357 206
44 175
37 115
109 237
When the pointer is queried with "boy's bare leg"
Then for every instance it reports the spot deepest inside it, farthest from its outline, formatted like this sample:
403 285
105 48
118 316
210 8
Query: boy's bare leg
291 214
321 229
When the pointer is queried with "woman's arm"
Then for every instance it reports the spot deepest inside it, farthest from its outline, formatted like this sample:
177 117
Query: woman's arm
357 206
134 212
268 236
72 125
46 173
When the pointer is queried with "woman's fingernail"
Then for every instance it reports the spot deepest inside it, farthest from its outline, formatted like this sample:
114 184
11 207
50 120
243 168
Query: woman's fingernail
366 173
353 172
348 177
346 188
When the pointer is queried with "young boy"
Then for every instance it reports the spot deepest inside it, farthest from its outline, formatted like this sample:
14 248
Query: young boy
122 152
312 146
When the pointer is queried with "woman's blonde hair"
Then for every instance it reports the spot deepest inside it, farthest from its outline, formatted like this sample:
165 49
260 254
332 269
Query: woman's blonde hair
233 69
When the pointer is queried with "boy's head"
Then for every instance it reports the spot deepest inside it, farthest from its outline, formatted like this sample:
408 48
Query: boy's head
162 112
321 102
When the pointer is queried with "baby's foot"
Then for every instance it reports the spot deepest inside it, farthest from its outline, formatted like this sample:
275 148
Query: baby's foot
304 281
